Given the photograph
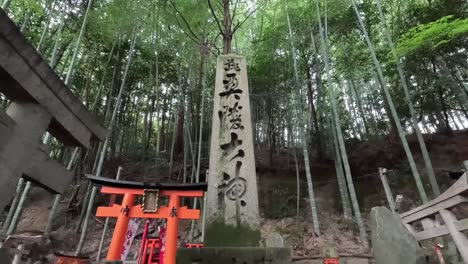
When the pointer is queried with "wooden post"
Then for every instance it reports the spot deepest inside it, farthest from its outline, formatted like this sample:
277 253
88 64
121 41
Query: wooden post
106 224
172 227
115 248
388 191
398 201
458 237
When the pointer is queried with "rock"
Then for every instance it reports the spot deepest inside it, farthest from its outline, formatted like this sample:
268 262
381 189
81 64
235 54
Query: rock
392 243
330 252
274 240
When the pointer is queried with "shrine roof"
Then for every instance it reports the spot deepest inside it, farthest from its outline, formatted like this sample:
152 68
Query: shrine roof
101 181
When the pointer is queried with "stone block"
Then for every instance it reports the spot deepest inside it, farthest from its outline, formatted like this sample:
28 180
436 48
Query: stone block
6 128
233 255
30 122
48 173
392 243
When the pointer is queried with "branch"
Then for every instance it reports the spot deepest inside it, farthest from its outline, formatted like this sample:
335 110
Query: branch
239 24
194 36
186 33
215 17
234 13
218 50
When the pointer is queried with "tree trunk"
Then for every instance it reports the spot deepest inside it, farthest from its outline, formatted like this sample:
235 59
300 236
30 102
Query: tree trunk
313 112
174 135
448 129
227 34
54 59
347 212
6 5
300 119
25 23
179 147
46 26
361 109
97 99
162 131
78 44
459 91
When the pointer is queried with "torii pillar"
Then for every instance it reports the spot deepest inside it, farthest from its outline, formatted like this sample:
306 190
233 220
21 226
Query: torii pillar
232 214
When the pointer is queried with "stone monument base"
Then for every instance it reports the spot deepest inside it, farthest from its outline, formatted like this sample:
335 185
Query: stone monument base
234 255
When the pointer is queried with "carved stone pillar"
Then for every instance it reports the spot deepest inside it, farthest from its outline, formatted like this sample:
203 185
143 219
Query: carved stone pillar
232 216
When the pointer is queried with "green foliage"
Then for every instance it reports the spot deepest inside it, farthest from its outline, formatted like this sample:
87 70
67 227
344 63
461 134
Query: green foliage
433 36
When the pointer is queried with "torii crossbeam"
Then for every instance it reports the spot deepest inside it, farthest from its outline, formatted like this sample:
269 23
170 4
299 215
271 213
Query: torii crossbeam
173 212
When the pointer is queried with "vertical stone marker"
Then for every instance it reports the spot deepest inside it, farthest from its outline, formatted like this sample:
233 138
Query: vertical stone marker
232 217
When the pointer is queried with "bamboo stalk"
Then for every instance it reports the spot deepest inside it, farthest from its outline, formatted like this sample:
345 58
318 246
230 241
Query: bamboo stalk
393 111
300 118
339 133
414 118
106 142
19 209
14 203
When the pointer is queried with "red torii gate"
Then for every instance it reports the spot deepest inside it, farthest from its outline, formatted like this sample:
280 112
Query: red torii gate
172 212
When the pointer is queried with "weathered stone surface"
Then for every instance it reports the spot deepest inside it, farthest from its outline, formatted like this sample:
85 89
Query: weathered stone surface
391 241
48 173
30 122
274 239
330 252
232 200
239 255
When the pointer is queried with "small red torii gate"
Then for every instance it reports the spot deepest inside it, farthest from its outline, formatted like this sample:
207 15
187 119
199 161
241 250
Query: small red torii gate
173 212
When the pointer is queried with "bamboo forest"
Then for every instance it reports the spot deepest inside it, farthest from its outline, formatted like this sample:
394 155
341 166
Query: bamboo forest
234 131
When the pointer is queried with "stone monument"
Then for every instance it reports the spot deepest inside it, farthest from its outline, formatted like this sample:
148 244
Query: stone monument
232 216
392 243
